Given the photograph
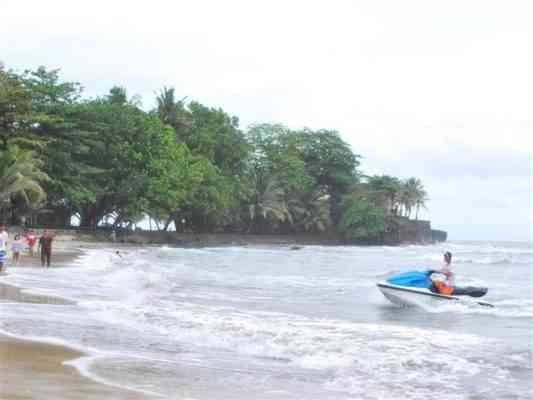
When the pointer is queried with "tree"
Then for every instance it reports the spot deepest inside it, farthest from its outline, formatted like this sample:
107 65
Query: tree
20 178
215 135
170 111
411 192
330 162
311 211
303 175
275 176
46 130
48 91
125 151
15 109
361 221
220 150
419 194
209 132
386 190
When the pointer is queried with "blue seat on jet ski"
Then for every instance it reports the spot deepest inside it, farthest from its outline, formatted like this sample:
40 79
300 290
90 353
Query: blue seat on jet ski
418 279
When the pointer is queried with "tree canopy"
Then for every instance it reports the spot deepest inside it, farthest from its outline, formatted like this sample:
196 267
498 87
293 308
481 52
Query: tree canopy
107 160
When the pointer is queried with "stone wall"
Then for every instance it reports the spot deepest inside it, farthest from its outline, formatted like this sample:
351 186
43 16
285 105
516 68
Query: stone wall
438 236
402 230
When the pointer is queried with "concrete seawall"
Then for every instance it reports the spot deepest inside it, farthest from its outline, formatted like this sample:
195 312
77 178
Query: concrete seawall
403 230
400 231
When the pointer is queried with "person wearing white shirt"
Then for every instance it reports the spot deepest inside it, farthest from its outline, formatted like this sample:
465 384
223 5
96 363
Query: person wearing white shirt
443 279
16 248
447 269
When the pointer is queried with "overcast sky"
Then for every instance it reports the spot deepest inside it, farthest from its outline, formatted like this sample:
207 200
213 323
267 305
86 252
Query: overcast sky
440 90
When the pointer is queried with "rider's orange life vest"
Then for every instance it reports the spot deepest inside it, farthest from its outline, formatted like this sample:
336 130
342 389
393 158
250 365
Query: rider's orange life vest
443 288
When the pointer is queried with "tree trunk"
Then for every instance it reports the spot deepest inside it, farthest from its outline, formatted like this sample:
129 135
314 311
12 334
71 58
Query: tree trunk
170 218
118 221
85 217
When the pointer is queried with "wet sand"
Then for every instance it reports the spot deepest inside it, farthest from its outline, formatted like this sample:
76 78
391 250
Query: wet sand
34 370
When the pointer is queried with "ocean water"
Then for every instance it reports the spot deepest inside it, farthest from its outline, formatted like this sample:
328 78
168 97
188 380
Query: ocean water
271 323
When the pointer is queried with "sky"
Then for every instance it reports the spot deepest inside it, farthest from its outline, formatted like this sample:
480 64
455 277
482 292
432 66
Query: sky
439 90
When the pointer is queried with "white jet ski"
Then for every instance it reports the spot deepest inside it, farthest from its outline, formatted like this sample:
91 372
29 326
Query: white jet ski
415 288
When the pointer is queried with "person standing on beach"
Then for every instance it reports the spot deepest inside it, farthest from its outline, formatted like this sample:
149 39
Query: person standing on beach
16 248
31 239
3 246
45 246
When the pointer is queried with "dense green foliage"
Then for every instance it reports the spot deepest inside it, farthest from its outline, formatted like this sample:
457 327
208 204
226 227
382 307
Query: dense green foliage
108 161
362 221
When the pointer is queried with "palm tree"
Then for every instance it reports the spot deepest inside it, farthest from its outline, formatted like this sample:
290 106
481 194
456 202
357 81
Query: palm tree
167 106
270 206
410 193
170 111
416 194
311 211
421 201
19 177
387 190
267 197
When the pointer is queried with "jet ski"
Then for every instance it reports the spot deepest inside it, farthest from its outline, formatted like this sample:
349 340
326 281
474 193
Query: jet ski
416 288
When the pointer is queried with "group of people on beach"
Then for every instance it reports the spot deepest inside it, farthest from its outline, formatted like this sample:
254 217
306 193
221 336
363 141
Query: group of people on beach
25 240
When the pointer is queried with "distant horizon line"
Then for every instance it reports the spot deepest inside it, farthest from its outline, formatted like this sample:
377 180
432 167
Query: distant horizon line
528 241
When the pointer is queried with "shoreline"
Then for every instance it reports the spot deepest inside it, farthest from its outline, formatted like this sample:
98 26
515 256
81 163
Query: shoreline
31 369
189 239
36 369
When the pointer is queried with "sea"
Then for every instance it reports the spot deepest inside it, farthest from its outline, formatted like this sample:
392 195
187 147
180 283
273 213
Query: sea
268 322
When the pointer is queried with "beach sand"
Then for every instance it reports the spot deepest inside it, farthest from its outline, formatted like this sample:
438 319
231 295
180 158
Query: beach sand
34 370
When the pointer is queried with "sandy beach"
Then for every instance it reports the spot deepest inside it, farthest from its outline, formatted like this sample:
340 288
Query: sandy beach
34 370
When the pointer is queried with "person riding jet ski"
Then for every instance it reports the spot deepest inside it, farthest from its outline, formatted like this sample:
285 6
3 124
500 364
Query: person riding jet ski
443 281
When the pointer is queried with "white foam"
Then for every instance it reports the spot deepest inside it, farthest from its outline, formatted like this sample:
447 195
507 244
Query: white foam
184 298
49 340
83 365
514 309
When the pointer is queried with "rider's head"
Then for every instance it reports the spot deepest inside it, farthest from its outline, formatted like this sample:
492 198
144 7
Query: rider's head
448 257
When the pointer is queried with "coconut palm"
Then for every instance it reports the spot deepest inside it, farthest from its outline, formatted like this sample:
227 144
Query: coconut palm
410 192
421 201
170 110
167 106
311 211
269 205
20 176
267 197
415 193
